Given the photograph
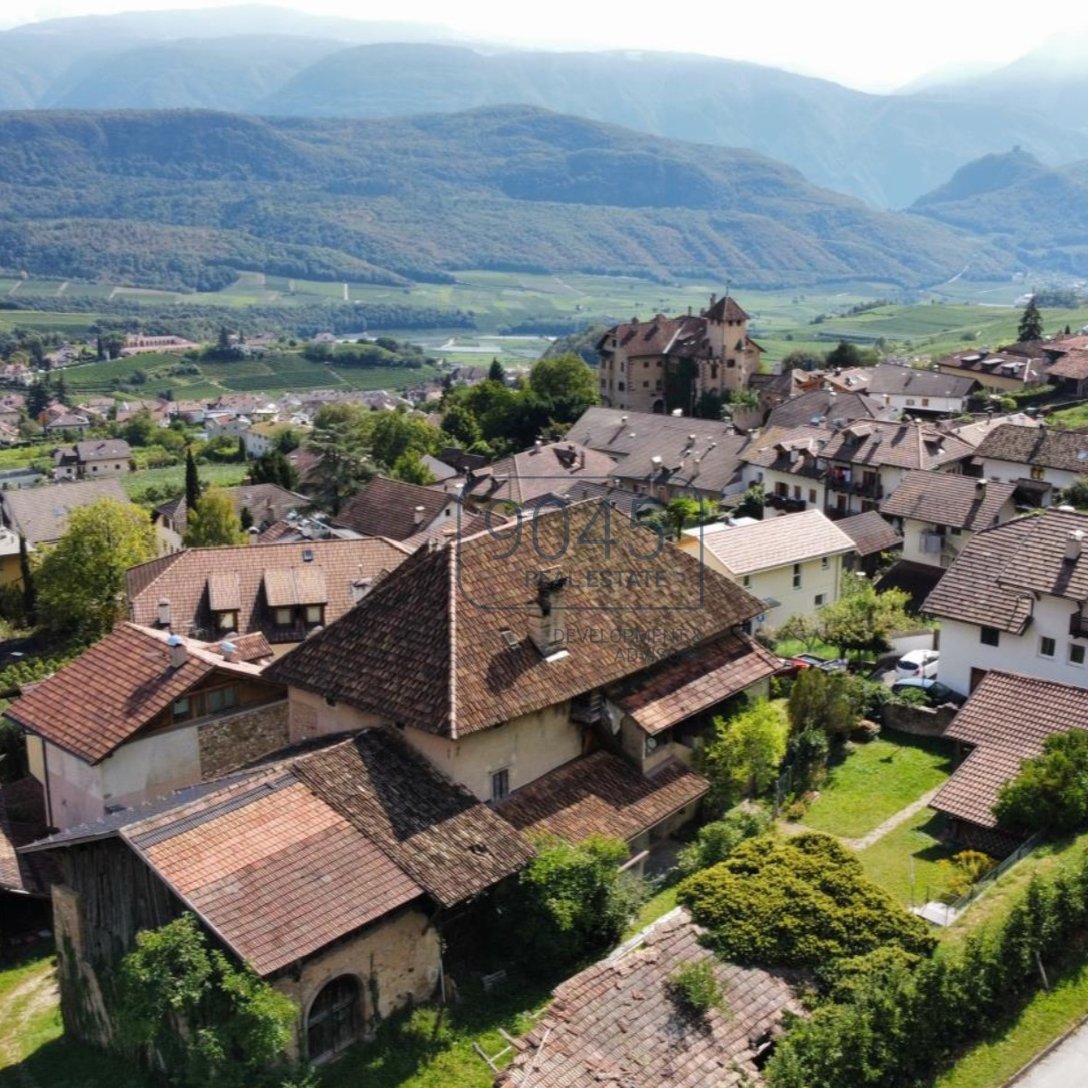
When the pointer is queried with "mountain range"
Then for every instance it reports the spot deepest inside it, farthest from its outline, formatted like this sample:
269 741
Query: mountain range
184 198
885 149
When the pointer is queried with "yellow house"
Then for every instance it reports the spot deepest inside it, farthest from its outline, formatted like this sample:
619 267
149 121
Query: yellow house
793 563
10 573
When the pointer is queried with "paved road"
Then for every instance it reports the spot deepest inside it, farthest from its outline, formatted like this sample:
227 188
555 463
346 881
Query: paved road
1065 1067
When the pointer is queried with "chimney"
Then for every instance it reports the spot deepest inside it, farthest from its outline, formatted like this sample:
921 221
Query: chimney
227 649
417 516
178 653
547 627
1074 543
980 488
164 612
252 533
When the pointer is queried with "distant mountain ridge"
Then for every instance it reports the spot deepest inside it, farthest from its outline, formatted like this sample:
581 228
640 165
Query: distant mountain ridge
1038 214
183 198
885 149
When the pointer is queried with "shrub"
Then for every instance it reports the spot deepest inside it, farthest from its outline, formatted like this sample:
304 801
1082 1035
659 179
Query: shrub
744 757
824 701
798 902
695 986
807 752
795 811
961 871
572 901
717 840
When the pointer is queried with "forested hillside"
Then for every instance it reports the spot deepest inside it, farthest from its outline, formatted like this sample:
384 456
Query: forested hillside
182 198
1037 213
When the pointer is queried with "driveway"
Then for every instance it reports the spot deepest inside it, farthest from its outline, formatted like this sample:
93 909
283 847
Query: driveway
1063 1067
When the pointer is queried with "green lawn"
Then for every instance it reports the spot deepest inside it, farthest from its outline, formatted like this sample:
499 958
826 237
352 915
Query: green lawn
654 907
875 781
906 861
135 483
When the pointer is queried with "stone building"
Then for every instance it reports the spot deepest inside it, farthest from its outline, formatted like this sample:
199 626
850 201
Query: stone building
667 363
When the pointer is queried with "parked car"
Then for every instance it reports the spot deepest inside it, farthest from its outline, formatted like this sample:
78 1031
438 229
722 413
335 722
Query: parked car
811 661
936 693
917 663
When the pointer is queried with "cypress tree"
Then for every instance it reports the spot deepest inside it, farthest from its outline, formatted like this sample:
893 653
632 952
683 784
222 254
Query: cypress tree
192 481
1031 323
30 594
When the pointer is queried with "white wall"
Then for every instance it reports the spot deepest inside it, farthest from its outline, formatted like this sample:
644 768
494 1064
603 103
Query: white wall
74 789
150 767
528 747
1011 471
961 649
309 715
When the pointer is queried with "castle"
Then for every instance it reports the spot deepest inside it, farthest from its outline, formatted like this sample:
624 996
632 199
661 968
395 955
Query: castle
668 363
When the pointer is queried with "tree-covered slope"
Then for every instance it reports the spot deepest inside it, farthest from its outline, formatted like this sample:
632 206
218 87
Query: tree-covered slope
1038 214
180 198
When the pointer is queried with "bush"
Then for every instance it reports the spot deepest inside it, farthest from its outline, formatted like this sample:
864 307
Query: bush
572 901
1050 794
798 902
962 871
695 986
716 841
744 757
795 811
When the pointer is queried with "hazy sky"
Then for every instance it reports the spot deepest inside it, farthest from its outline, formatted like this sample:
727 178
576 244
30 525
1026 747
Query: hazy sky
858 42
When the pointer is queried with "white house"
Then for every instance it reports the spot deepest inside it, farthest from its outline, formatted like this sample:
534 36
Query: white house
1038 458
1016 599
920 392
793 564
938 513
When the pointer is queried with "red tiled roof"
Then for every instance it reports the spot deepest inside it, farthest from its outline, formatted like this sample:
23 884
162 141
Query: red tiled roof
274 870
427 647
601 794
693 682
618 1024
897 445
95 703
553 469
1007 719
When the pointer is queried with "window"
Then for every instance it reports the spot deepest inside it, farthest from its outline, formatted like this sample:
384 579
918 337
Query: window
201 703
645 385
820 599
1047 646
989 636
925 402
825 562
796 575
500 784
746 580
1076 653
1036 472
282 617
796 491
314 614
812 494
226 621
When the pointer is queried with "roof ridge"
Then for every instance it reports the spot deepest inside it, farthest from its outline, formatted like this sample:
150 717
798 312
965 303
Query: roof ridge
451 642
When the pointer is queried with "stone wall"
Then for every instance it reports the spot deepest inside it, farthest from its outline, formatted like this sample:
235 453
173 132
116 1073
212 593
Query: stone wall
919 721
397 962
232 741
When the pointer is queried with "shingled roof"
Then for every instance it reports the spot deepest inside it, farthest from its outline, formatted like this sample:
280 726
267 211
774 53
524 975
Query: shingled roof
942 499
775 542
199 580
550 469
284 859
619 1022
111 691
384 507
870 533
1007 719
909 381
443 643
820 405
994 579
1041 446
601 794
896 445
619 432
41 513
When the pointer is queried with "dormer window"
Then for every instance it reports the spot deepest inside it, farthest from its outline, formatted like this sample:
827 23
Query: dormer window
226 621
314 614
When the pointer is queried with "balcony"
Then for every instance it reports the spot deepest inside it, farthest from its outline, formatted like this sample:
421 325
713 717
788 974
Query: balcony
865 488
1078 624
785 504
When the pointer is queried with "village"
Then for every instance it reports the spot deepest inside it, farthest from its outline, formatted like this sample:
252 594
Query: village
720 708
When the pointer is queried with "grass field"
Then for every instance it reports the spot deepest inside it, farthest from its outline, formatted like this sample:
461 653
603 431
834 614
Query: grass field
906 861
173 477
875 781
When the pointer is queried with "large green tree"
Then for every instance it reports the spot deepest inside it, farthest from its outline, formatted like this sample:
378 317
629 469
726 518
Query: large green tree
862 619
566 383
743 758
1050 793
341 439
1031 323
213 521
192 480
398 433
81 580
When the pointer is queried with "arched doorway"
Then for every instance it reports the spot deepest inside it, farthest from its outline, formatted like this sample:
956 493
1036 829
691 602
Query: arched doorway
335 1018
